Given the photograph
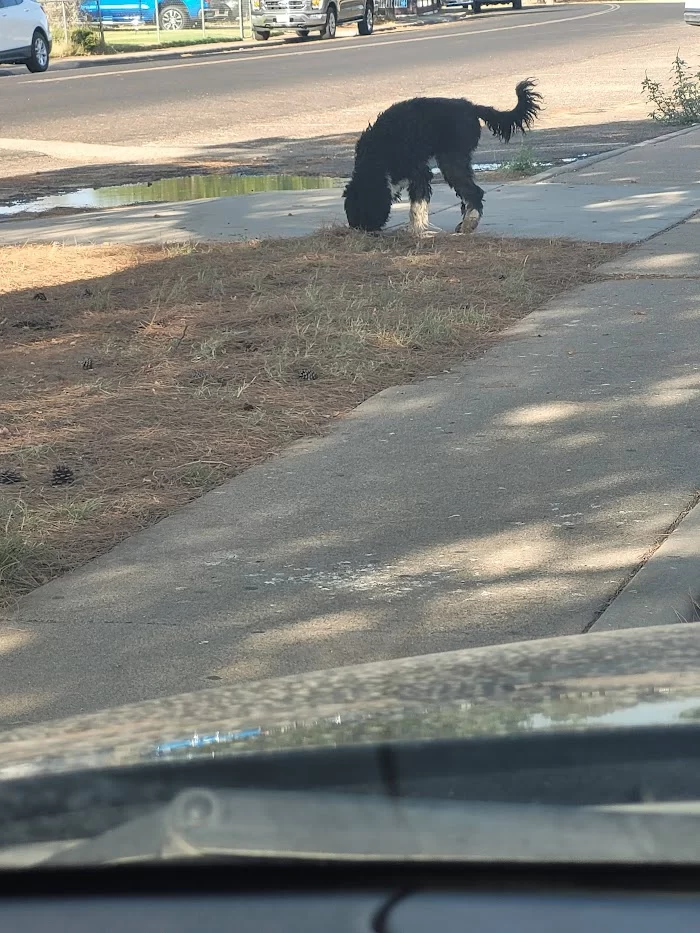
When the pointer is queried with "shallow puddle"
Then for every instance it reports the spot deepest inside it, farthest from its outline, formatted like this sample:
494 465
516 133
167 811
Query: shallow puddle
195 188
184 188
540 166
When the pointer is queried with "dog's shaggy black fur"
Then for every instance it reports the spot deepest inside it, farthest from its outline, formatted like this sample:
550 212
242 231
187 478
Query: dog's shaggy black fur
396 152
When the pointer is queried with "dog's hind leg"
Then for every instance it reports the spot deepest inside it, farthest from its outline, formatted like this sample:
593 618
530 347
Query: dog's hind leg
457 172
420 191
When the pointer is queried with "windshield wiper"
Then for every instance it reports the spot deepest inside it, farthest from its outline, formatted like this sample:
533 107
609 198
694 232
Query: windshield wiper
317 825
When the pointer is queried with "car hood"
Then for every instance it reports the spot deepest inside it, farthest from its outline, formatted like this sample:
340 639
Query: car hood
632 677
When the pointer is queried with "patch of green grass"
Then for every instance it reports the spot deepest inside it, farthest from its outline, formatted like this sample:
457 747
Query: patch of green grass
27 558
85 40
15 560
516 284
99 300
169 291
212 281
201 476
31 454
175 250
77 511
25 562
212 346
141 40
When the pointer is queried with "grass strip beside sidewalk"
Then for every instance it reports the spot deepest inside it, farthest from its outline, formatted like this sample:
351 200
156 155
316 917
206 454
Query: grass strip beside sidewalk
135 378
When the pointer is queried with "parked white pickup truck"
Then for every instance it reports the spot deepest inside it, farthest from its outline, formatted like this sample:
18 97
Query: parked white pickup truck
305 16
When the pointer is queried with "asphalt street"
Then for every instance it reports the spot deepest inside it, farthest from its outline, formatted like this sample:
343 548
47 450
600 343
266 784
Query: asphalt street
292 106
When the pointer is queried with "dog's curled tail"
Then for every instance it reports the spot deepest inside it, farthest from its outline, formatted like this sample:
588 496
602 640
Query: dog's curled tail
503 123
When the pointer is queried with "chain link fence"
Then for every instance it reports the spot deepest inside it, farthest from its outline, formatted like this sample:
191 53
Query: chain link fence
63 18
86 26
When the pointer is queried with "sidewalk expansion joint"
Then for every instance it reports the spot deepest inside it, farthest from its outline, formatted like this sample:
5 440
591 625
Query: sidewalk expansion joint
648 554
676 223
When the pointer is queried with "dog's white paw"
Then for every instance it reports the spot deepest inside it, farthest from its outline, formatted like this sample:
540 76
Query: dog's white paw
426 231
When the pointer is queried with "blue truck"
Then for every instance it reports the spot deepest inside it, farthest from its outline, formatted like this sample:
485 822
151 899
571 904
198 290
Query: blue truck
172 14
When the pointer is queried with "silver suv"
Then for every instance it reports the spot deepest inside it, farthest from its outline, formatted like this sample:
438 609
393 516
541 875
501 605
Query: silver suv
303 16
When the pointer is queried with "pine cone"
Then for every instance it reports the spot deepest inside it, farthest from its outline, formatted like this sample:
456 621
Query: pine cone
308 374
9 476
62 475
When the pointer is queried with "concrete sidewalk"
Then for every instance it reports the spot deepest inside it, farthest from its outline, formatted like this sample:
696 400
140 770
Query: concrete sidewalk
510 498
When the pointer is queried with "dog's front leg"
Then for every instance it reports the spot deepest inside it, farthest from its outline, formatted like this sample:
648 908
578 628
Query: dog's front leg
418 217
419 192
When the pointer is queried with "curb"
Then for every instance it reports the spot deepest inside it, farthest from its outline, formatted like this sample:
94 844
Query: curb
666 589
157 55
576 166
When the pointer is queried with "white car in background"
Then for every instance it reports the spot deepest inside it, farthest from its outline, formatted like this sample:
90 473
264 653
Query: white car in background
692 12
25 36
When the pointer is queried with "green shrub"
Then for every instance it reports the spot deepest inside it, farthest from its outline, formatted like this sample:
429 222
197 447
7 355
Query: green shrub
680 105
84 41
524 162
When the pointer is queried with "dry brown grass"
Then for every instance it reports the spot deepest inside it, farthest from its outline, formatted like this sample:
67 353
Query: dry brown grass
195 356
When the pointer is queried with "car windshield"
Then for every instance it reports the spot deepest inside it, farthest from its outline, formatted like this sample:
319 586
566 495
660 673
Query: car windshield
349 394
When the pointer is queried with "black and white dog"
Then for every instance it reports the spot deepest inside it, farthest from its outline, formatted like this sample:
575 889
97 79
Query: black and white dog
396 153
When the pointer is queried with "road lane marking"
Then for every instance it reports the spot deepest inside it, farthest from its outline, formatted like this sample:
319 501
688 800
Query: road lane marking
264 56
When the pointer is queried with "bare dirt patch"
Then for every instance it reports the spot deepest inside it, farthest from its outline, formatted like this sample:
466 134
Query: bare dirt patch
132 379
